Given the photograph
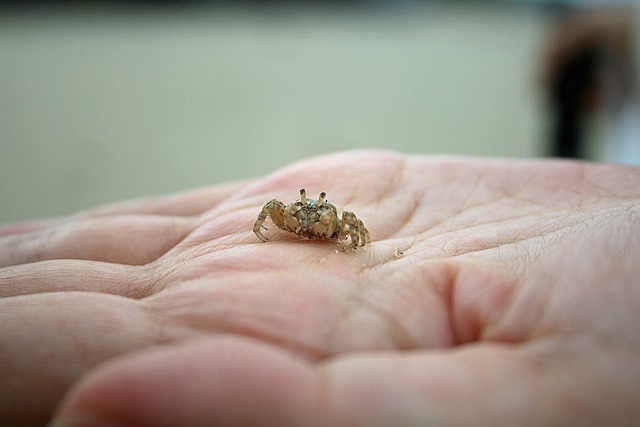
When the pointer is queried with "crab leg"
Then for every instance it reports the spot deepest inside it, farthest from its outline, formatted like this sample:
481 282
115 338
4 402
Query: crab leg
365 237
259 224
274 209
352 227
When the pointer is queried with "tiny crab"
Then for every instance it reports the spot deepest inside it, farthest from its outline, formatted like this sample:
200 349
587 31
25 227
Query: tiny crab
313 219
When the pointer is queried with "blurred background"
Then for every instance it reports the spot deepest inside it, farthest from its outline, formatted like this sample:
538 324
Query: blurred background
102 101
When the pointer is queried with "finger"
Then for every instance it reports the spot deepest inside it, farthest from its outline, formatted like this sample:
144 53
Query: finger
73 275
227 381
27 226
230 381
132 239
217 381
192 202
183 204
48 341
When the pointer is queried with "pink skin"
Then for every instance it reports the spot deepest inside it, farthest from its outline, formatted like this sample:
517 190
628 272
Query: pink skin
514 302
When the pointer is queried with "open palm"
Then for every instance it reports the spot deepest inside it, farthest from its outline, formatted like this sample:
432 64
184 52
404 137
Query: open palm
493 292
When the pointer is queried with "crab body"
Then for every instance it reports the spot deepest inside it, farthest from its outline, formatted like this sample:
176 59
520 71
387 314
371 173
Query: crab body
315 219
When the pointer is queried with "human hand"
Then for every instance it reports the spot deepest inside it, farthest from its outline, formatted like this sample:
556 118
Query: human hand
514 301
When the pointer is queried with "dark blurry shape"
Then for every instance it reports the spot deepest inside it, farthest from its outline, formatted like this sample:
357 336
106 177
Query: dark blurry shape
571 95
572 91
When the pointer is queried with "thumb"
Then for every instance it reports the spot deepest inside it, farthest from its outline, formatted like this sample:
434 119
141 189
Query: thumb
213 381
237 381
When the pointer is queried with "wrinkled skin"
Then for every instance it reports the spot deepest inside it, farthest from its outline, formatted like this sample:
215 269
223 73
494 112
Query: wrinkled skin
516 301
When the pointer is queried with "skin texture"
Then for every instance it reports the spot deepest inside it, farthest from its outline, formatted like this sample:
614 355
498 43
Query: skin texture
515 301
